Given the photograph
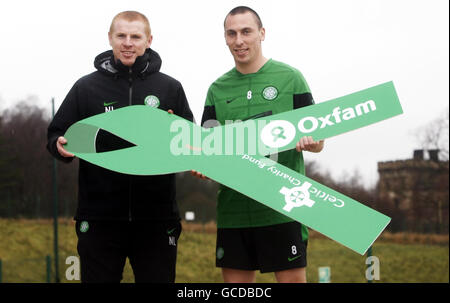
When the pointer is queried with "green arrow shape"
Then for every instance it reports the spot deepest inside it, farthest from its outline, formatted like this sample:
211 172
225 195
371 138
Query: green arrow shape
166 143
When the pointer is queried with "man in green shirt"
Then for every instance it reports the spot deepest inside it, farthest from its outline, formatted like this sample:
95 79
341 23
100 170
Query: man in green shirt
250 235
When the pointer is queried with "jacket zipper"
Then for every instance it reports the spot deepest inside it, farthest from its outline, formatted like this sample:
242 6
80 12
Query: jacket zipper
130 99
130 81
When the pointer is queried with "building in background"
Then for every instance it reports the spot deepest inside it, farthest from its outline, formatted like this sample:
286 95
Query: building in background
414 193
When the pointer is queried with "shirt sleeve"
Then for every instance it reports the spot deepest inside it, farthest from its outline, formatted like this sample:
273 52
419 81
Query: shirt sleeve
209 111
66 115
302 93
183 109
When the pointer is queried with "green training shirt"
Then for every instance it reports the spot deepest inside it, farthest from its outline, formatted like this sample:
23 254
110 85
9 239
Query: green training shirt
275 88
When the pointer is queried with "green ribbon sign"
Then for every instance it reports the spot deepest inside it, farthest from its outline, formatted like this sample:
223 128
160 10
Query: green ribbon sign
235 153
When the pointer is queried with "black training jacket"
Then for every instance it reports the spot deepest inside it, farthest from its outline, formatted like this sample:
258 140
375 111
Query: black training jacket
104 194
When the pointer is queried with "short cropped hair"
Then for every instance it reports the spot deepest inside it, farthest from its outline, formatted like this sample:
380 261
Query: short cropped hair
242 10
132 16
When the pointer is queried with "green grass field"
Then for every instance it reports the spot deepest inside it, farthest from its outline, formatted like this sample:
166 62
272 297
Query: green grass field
25 243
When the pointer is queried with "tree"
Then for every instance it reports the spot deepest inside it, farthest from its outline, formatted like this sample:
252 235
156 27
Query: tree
7 174
27 164
435 135
9 177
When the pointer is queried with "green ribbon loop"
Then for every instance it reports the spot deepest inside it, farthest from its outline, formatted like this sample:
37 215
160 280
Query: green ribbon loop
234 153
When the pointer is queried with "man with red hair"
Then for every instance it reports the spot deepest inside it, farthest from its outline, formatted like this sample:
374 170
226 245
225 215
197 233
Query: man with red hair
118 215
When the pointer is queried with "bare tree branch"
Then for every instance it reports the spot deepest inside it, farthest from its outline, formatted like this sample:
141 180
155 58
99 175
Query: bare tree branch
435 135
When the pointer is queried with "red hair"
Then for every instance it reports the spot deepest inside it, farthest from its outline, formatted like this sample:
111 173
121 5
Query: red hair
132 16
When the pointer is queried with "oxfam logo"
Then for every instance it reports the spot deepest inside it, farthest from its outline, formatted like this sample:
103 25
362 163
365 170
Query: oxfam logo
270 93
278 133
152 101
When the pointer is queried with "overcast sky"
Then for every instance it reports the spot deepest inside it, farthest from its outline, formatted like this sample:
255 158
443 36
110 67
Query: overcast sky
339 46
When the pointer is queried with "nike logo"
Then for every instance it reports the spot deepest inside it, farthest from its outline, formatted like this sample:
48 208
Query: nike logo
229 101
108 104
169 232
293 258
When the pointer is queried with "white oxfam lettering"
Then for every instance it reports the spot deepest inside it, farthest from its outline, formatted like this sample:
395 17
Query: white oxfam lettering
303 129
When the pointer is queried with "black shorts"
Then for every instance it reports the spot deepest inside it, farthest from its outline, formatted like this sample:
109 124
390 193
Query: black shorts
268 248
151 247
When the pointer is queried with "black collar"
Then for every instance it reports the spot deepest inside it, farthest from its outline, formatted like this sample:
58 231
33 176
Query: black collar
140 65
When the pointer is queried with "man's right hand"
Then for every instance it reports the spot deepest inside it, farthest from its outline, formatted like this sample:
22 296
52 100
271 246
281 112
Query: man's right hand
59 145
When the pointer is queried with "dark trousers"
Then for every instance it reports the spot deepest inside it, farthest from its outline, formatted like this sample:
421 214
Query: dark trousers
151 247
